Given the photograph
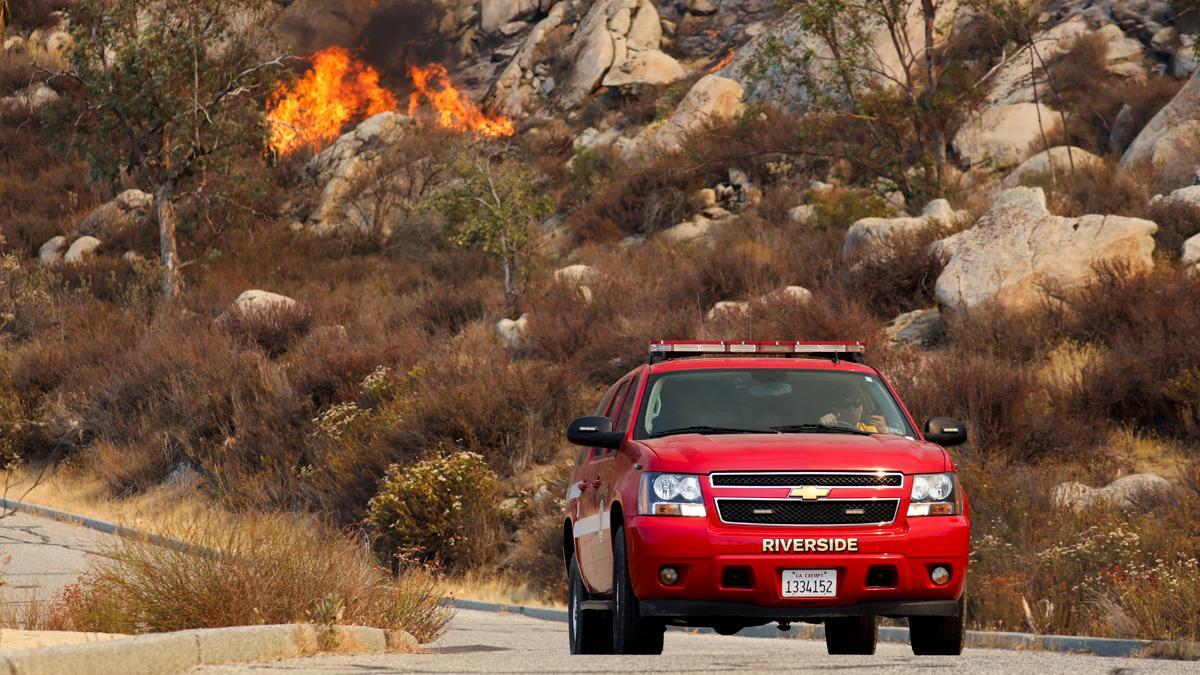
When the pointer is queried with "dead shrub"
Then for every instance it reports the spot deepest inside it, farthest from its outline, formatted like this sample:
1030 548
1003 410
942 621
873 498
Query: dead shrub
1177 222
1148 322
273 329
643 200
17 71
246 574
33 14
903 278
1098 188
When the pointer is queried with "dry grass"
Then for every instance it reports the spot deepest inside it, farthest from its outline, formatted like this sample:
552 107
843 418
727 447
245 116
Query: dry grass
265 569
504 589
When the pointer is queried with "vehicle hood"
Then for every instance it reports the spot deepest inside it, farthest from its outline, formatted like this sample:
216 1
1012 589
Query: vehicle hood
695 453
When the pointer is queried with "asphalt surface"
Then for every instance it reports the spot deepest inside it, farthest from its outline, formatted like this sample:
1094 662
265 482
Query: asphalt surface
479 642
39 556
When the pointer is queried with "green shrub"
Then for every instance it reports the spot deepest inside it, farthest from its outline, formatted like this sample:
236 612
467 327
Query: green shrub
442 508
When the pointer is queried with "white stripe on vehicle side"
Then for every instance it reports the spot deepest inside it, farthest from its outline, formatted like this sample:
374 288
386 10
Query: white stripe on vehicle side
592 524
587 525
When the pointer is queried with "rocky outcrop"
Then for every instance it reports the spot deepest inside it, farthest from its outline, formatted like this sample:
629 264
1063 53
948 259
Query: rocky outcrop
1136 492
1058 160
1170 141
868 238
82 249
513 89
1018 251
918 328
617 43
577 274
711 99
496 13
1013 82
130 211
1000 136
339 168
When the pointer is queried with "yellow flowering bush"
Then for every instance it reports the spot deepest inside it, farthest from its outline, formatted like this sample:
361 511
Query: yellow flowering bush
443 509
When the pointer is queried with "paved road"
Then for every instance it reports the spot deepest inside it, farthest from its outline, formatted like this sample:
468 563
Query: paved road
39 556
479 642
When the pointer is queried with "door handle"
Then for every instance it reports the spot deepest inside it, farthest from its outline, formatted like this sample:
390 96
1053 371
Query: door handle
585 484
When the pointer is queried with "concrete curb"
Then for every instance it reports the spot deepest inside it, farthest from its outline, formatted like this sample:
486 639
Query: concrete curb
104 526
181 651
975 639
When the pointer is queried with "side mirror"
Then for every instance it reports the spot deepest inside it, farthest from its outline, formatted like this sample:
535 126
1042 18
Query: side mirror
594 432
945 431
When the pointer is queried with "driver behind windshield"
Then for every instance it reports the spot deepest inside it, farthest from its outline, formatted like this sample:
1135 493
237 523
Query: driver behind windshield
848 413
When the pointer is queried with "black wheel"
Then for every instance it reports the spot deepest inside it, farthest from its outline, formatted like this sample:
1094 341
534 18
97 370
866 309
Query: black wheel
631 634
851 634
938 635
590 632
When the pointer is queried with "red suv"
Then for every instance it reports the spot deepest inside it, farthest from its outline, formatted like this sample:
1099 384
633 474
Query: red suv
734 484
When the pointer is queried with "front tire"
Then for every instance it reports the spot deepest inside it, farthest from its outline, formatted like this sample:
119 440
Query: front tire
938 635
590 631
631 634
851 635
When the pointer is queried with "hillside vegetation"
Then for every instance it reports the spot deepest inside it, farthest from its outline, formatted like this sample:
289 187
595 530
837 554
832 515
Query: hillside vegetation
448 301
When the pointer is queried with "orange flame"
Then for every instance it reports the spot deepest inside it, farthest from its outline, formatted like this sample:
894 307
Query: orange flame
454 110
313 110
723 62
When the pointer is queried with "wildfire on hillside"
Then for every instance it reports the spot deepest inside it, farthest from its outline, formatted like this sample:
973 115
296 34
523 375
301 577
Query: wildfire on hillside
312 110
452 109
723 62
338 89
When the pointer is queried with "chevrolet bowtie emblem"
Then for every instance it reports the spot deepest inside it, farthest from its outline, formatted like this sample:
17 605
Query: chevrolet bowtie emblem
809 493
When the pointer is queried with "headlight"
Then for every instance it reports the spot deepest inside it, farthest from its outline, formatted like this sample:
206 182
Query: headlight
671 494
934 494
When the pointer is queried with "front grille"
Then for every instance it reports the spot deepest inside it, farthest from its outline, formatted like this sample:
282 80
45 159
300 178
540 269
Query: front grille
795 512
798 479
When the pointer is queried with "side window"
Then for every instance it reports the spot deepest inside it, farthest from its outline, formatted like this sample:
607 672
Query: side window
602 409
622 422
613 409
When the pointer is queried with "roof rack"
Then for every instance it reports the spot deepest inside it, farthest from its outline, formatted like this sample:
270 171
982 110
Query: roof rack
663 350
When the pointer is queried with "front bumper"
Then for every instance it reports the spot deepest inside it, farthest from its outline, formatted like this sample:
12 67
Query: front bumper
699 610
702 551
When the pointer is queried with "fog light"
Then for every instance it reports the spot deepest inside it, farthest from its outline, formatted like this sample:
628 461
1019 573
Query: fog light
668 576
939 575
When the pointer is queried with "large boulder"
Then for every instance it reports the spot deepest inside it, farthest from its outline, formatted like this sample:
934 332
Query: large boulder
52 251
1135 492
1170 141
1000 136
29 100
576 274
1057 160
82 249
918 328
256 301
513 332
1185 195
711 99
1018 250
1189 253
868 238
130 211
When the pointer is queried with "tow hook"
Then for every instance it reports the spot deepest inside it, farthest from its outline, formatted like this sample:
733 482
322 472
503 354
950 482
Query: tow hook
785 626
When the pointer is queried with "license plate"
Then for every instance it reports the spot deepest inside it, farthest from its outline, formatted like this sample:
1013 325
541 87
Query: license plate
809 583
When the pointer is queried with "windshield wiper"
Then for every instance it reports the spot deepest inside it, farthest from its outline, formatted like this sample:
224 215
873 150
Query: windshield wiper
705 429
818 429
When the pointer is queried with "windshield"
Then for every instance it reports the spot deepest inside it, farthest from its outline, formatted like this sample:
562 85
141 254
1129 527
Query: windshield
760 400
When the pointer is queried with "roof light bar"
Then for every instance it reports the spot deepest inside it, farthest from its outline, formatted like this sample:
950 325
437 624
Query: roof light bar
664 349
